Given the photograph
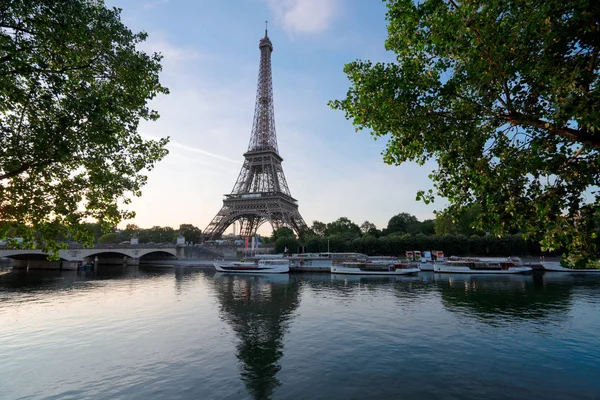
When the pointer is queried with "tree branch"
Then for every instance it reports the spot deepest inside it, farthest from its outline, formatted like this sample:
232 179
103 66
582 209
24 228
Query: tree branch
575 135
45 71
16 28
25 167
575 156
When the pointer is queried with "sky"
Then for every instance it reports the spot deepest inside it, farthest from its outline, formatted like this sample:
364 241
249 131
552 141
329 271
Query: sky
210 66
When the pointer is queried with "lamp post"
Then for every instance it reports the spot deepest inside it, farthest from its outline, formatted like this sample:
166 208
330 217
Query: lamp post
328 245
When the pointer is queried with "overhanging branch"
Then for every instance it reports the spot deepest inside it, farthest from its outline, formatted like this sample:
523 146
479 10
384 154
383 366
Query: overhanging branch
576 135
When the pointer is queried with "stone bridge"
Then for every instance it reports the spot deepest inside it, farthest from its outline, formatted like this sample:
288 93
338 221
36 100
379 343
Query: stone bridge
73 256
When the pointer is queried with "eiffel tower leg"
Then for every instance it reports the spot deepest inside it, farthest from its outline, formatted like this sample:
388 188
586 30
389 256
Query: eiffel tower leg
250 224
224 218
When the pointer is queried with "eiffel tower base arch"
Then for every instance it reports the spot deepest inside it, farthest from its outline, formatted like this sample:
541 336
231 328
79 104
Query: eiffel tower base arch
252 213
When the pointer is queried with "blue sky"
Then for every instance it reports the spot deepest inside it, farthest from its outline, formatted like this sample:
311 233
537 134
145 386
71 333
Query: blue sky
210 65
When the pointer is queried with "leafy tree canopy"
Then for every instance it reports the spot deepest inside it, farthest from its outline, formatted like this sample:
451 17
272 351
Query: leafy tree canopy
132 227
426 227
462 223
282 232
369 228
190 232
399 223
110 238
319 228
158 234
286 244
343 227
504 95
73 88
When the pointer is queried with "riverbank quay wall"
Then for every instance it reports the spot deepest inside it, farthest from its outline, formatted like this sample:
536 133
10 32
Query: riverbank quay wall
221 251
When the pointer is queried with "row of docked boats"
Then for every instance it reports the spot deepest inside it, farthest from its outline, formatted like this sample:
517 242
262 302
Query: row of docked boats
360 264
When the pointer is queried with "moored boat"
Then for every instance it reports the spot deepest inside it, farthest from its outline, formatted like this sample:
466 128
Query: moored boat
267 266
464 265
555 266
429 258
426 266
321 262
376 268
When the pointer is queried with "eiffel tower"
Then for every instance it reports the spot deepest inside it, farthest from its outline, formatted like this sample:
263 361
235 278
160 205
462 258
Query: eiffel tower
261 193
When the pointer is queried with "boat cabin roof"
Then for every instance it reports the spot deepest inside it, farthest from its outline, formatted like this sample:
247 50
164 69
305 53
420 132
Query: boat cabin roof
274 261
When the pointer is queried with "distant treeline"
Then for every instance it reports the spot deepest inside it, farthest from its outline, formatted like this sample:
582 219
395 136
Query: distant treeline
156 234
397 245
404 232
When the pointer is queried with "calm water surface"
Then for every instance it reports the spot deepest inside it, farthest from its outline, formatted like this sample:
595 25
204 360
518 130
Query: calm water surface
126 333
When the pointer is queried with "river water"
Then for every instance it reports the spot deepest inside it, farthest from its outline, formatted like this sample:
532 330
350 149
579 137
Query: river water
144 333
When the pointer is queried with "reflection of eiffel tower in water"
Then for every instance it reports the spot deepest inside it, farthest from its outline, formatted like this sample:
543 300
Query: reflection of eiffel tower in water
261 193
258 309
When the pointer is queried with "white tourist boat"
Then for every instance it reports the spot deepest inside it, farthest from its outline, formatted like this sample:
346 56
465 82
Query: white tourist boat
429 258
468 265
322 262
376 268
263 266
555 266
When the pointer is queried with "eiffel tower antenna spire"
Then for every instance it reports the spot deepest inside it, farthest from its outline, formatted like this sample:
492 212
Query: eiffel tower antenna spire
261 193
266 28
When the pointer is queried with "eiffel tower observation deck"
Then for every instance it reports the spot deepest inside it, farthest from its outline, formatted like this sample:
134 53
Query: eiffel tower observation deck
261 193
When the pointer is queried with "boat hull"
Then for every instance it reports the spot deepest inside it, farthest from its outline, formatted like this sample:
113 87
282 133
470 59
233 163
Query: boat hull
556 267
338 269
452 269
426 266
251 268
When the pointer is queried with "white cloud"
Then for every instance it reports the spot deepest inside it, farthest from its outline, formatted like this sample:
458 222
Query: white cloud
305 16
200 151
172 55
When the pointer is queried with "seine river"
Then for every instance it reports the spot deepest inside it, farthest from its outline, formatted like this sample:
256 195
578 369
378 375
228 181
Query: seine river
144 333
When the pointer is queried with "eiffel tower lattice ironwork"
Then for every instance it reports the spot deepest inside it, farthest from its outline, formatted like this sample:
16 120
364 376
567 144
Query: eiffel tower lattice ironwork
261 193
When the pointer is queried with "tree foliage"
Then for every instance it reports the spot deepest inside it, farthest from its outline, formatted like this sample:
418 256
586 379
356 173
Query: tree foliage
400 223
110 238
369 228
398 244
319 228
158 234
73 88
462 224
286 244
191 233
504 95
282 232
343 227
